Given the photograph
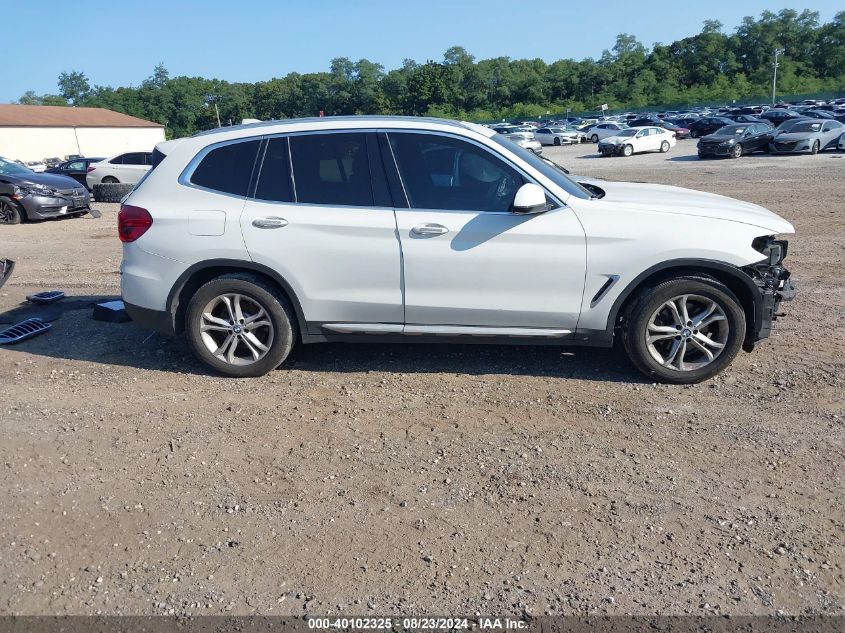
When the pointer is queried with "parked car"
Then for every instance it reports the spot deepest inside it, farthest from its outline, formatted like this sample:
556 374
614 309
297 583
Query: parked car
36 165
747 118
637 139
127 168
707 125
736 140
524 138
27 195
778 115
76 169
810 135
253 238
605 130
52 162
558 136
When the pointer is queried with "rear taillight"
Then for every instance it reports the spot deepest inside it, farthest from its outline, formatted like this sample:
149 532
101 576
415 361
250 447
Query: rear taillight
132 222
91 168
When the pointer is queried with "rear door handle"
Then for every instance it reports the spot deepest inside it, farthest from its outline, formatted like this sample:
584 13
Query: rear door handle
429 229
269 223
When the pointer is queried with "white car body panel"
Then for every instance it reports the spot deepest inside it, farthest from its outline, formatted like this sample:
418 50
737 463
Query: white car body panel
360 265
125 174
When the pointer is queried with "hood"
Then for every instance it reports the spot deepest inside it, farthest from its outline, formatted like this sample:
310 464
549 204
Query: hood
615 140
56 181
665 199
789 137
721 138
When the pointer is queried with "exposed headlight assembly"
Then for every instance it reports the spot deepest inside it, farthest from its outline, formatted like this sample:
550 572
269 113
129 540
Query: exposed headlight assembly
31 189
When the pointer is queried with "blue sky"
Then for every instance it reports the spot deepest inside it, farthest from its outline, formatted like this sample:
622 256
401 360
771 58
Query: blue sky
119 43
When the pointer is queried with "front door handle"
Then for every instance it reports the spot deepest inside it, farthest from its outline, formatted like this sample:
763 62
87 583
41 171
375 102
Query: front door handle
269 223
429 229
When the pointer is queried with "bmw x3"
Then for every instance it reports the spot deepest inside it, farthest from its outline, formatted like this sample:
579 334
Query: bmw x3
255 238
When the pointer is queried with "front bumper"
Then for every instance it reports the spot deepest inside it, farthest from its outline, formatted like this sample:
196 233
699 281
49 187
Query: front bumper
775 285
714 150
48 207
533 146
609 150
797 147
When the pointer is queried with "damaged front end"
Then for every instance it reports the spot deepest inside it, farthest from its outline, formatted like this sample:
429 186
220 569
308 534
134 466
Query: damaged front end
774 283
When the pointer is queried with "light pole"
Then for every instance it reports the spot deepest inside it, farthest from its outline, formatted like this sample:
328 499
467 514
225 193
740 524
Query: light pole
778 51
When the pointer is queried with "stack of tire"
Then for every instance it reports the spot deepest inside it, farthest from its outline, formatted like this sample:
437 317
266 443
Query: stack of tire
111 191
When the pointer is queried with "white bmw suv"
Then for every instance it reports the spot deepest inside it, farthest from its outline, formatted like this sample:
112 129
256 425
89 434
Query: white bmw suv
254 238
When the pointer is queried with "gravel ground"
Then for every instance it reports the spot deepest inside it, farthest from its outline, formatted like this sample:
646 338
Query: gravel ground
427 479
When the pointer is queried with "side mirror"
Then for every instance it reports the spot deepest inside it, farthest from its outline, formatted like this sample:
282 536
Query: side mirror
530 198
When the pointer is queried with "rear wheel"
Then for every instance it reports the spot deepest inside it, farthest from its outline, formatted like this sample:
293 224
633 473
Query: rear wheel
684 330
109 180
736 152
693 134
240 326
627 150
664 147
594 138
10 211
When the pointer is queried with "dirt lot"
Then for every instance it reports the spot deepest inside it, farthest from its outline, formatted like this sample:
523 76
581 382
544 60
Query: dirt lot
424 479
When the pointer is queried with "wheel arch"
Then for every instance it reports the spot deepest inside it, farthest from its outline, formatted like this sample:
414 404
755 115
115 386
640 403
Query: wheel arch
200 273
741 284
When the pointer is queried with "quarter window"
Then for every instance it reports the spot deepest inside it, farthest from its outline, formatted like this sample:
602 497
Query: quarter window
331 169
227 168
441 172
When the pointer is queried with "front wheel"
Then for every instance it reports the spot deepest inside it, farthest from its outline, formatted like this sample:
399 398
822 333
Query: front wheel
736 152
10 211
240 326
815 148
627 150
684 330
664 147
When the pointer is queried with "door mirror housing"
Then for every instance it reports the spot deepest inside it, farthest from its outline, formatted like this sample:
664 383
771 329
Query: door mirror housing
530 198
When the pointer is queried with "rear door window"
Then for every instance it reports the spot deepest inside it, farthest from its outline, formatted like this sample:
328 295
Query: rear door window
331 169
227 168
133 158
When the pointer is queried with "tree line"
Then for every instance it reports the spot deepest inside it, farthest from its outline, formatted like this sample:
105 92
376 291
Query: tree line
709 66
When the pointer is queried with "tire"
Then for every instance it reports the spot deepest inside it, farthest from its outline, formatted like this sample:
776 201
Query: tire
627 150
726 331
664 147
815 148
693 134
254 295
10 211
109 180
557 141
594 138
736 152
111 192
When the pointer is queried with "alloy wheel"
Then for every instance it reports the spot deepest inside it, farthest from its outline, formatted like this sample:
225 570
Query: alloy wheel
236 329
7 213
687 332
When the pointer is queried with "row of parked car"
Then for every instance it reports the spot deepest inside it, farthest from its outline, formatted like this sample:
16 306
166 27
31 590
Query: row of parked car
808 127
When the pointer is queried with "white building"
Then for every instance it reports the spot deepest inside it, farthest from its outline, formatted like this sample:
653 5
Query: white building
34 132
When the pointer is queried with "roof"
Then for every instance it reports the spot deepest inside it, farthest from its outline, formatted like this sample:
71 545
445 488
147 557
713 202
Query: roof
332 121
14 115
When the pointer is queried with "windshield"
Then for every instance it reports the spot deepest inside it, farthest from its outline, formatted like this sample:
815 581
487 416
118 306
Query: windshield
628 132
10 168
807 126
546 167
